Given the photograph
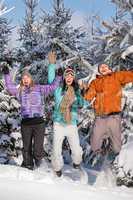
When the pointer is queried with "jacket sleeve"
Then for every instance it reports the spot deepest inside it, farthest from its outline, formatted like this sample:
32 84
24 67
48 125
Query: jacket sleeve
51 77
51 73
50 88
11 87
124 77
91 92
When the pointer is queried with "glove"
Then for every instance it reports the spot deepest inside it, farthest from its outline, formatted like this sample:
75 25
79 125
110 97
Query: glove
5 68
60 72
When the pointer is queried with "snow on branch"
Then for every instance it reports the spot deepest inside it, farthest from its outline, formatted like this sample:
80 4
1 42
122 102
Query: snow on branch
124 4
75 55
126 38
4 9
69 61
127 52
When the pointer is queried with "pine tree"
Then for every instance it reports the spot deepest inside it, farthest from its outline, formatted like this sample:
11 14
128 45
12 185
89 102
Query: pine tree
28 33
5 32
9 116
57 26
115 38
124 4
109 43
95 41
106 39
4 9
9 123
124 176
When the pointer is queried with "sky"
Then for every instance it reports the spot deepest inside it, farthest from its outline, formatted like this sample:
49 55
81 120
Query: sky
80 8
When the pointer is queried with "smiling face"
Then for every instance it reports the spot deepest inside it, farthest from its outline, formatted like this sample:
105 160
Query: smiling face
104 69
26 80
69 78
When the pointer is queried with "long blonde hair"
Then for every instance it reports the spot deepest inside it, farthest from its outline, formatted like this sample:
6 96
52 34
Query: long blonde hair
21 85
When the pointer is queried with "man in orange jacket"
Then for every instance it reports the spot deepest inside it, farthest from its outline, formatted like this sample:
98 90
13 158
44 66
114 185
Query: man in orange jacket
106 90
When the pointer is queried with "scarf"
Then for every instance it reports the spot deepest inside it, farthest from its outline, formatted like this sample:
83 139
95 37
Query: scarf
66 103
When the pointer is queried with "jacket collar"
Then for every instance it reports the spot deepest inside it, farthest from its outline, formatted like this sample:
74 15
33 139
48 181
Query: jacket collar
102 76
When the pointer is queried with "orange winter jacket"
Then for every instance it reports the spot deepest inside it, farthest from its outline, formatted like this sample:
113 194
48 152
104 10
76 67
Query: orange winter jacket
107 91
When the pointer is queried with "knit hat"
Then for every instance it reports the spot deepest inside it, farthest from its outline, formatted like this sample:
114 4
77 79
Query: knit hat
69 71
26 73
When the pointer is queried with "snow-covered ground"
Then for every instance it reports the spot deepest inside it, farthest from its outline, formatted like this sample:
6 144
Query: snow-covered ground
125 160
42 184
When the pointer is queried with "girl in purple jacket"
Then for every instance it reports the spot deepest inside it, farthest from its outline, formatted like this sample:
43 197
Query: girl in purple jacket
29 95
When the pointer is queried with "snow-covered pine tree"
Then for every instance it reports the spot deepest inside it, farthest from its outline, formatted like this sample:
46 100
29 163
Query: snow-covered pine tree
124 4
9 123
116 42
28 34
127 42
56 26
5 33
125 173
4 9
106 39
37 37
9 116
110 42
95 44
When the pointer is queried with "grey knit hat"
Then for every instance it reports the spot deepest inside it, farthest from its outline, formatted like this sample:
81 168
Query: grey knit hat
27 73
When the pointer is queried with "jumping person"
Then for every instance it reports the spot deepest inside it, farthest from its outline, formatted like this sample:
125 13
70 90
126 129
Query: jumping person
106 91
29 95
67 100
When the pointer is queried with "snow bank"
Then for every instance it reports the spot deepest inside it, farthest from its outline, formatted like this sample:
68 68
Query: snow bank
125 160
18 183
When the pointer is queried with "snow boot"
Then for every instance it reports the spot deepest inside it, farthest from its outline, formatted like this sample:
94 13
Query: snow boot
38 163
59 173
112 156
76 166
30 167
27 161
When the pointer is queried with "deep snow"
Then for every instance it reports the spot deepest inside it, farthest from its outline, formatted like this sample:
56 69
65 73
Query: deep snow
42 184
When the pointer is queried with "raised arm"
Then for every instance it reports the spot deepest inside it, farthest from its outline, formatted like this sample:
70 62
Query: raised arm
51 73
50 88
11 87
124 77
51 67
53 83
90 93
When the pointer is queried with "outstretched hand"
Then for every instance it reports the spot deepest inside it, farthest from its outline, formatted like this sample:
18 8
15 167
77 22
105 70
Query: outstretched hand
52 57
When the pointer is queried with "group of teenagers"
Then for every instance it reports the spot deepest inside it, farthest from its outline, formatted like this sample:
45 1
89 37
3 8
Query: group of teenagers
105 91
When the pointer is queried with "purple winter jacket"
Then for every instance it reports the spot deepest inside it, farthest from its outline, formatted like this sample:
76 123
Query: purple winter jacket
31 98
